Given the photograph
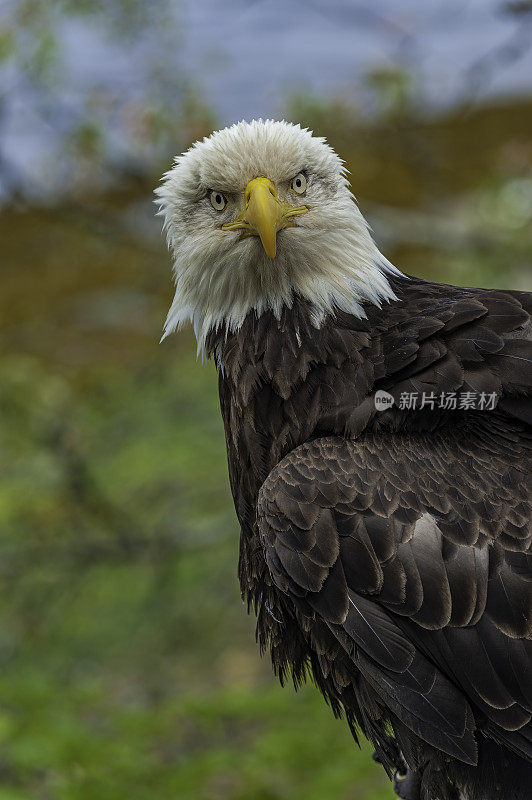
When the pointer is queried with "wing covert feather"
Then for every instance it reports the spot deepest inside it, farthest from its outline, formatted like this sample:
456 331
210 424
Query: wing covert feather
416 556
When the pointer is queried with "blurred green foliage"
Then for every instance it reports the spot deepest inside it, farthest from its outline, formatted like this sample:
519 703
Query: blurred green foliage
127 662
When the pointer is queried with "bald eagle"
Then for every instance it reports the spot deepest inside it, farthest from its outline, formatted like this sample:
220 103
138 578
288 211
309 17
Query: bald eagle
379 436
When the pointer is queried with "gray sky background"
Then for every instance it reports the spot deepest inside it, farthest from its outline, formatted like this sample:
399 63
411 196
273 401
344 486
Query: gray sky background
246 54
244 57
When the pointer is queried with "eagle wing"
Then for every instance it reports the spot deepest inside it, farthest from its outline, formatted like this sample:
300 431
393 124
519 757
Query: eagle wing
387 544
413 548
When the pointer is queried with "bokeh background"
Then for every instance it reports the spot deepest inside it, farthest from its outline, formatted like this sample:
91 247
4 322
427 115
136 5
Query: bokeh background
128 667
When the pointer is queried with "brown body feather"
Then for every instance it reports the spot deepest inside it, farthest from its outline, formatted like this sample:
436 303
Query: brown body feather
390 552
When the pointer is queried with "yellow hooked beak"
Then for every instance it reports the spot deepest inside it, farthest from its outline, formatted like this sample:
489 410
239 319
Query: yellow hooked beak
264 214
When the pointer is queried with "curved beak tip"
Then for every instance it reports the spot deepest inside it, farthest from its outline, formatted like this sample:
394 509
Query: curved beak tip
270 245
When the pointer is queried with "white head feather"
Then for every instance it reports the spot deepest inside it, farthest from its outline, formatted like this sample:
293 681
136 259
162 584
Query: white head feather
329 257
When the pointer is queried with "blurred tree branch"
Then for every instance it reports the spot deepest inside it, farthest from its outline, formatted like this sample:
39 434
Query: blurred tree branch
481 72
117 120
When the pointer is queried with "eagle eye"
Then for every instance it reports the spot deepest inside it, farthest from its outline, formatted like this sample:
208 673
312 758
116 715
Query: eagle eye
299 184
218 201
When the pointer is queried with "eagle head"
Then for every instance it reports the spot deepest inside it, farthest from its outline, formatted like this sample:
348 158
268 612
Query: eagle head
258 213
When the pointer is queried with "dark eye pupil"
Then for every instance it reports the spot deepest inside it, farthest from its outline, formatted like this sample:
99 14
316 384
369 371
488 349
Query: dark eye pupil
298 182
218 199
